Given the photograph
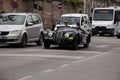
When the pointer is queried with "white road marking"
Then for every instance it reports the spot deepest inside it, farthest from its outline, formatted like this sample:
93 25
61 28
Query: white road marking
65 51
25 78
101 46
89 58
41 55
49 70
65 65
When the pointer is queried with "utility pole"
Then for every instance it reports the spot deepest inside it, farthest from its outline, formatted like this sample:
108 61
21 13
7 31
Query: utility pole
52 12
108 3
85 5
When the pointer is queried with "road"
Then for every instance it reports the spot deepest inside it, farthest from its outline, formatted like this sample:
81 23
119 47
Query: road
98 62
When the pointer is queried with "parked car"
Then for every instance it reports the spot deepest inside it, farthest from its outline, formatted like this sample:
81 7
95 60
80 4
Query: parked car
20 28
70 35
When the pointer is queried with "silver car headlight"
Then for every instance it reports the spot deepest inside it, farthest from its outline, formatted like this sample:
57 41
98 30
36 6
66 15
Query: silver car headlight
50 34
15 33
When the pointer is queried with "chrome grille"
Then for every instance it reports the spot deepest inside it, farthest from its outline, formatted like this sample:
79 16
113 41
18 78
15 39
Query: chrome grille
59 36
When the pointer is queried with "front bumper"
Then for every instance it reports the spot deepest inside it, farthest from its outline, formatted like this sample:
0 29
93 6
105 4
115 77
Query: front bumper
10 39
64 41
102 31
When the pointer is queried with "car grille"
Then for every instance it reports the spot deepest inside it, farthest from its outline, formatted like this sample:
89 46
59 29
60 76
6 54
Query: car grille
4 33
59 36
100 28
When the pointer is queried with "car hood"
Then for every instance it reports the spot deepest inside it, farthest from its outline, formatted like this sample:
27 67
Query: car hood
10 27
66 30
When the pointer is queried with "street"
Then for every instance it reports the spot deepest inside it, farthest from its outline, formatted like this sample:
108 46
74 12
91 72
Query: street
100 61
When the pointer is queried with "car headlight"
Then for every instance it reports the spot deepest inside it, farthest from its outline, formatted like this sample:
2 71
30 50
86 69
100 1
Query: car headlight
109 26
67 35
15 32
50 34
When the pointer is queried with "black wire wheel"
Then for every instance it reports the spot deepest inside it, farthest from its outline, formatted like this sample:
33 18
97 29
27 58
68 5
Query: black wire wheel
75 43
46 44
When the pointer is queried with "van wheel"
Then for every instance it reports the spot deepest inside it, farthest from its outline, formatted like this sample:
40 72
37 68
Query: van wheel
23 41
39 42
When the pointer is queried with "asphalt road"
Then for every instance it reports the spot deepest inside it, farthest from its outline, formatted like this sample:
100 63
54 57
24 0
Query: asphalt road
101 61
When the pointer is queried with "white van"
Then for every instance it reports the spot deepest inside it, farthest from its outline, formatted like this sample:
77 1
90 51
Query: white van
106 20
20 28
73 19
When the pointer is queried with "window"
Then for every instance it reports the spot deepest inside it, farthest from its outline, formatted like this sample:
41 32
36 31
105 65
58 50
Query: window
117 15
36 19
12 19
29 19
82 20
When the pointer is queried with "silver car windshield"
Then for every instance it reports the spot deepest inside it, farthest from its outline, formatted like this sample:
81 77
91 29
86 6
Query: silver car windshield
70 20
12 19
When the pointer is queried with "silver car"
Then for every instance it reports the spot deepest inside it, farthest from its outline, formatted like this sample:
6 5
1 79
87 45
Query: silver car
20 28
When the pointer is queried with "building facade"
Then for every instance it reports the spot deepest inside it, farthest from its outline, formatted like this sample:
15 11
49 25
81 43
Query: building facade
16 5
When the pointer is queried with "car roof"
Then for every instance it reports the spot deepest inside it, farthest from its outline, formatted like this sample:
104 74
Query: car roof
73 15
18 13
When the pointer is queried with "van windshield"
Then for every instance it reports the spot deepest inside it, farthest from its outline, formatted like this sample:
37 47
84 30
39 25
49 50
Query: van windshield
103 15
12 19
70 20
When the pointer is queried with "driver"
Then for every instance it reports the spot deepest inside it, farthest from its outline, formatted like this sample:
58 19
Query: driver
66 23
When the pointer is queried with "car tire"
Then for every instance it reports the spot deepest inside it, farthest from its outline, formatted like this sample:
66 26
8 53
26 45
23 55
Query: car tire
75 44
23 41
86 45
39 42
88 40
46 44
118 36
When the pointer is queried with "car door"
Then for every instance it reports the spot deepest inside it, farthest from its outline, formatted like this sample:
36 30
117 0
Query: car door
37 25
29 28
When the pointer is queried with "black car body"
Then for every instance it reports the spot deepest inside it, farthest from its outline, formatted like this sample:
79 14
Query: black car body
67 37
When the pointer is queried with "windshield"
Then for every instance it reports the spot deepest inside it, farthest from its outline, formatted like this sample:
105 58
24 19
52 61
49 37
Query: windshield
12 19
103 15
70 20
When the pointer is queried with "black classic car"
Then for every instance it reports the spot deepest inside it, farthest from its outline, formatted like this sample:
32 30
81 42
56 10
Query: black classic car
66 37
70 35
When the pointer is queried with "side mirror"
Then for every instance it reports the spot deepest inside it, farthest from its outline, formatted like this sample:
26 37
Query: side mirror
29 24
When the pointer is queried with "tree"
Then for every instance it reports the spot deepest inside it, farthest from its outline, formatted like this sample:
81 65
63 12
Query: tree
74 3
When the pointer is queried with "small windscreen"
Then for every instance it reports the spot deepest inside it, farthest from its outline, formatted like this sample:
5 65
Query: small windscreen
103 14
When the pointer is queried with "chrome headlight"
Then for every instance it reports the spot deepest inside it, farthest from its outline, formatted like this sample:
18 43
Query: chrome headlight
67 35
50 34
15 32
